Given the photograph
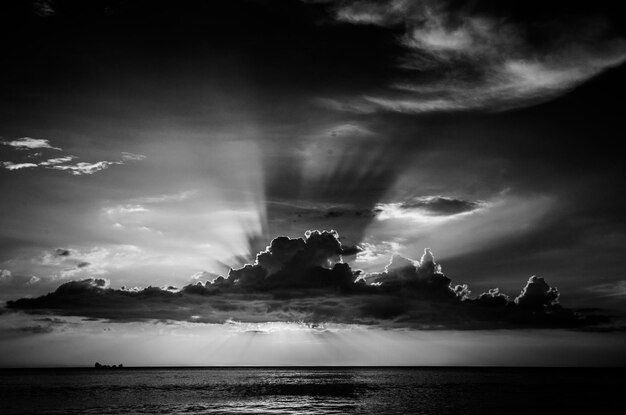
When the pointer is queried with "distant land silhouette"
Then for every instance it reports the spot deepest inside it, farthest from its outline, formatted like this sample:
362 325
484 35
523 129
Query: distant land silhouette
97 365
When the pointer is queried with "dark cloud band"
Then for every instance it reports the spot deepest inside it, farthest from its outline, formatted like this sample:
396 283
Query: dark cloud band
304 279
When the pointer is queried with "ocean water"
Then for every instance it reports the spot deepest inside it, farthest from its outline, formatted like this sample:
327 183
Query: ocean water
313 391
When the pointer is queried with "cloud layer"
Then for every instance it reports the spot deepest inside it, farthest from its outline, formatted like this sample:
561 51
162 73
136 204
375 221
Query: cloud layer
465 58
305 279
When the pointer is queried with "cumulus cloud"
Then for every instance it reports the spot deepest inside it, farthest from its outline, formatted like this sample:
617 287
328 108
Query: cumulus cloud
461 58
28 143
305 279
537 294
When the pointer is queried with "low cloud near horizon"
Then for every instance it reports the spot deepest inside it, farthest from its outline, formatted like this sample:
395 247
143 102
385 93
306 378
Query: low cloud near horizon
305 280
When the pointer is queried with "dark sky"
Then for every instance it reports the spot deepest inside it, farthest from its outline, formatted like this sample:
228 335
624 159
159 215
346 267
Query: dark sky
161 143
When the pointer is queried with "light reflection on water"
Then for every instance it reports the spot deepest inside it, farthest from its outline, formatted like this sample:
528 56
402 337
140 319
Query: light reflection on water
309 390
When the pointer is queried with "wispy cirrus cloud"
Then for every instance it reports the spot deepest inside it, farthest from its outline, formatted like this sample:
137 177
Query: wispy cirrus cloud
613 289
79 169
462 59
132 156
58 160
63 163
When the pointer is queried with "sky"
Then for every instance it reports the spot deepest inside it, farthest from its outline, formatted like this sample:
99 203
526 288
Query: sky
323 182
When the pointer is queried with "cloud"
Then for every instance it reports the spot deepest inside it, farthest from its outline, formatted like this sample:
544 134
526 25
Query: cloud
614 289
124 209
62 252
205 276
304 279
5 276
33 280
58 160
44 8
17 166
85 168
167 198
132 156
371 252
461 58
62 163
428 209
28 143
441 205
537 294
494 298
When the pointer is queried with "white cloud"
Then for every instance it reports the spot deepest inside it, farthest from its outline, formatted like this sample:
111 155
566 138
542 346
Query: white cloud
89 261
501 217
25 143
204 276
132 156
421 210
81 168
5 276
62 163
17 166
58 160
84 168
33 280
124 209
371 252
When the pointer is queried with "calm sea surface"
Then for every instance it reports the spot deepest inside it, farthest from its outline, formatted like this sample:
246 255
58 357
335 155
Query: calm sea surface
313 391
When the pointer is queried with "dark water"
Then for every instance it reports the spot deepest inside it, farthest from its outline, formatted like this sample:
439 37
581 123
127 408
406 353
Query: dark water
313 391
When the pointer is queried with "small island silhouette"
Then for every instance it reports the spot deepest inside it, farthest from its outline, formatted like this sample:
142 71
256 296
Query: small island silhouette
97 365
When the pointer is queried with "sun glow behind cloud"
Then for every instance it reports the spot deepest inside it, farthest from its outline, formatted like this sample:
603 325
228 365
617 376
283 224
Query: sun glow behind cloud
201 228
172 229
398 228
230 148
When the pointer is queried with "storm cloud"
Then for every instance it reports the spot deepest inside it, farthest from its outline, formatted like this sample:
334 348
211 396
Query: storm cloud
306 280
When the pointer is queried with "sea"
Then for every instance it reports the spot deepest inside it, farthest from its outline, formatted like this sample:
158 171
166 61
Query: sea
313 390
